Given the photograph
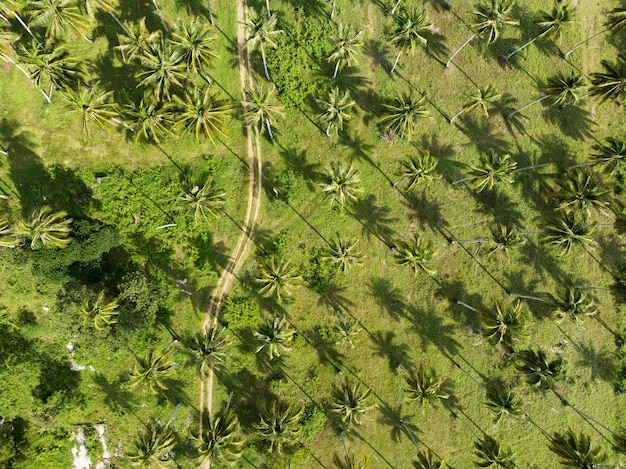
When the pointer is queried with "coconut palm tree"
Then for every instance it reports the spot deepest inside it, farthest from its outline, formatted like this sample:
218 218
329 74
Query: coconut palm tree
609 155
220 440
494 167
350 401
58 17
151 370
502 325
260 112
580 190
342 252
502 400
149 120
205 201
423 386
400 116
261 32
163 69
209 349
537 370
575 451
426 459
136 40
195 43
349 460
560 90
418 254
275 334
102 313
336 109
202 112
345 44
276 277
280 423
341 183
550 24
611 83
8 237
417 169
482 97
615 22
346 329
12 9
95 106
489 19
572 303
150 449
45 227
504 237
408 29
492 454
50 67
568 229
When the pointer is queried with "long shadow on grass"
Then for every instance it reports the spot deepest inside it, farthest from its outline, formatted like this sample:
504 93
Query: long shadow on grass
375 219
296 160
327 351
387 296
391 416
542 260
385 346
573 121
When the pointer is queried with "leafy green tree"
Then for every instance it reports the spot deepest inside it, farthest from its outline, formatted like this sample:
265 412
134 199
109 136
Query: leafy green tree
194 42
150 371
417 254
494 167
45 227
423 386
260 112
149 120
163 69
220 440
341 183
95 106
58 17
489 19
346 330
580 190
102 313
426 459
502 400
575 451
537 370
615 22
551 24
504 237
482 97
492 454
209 349
151 448
275 334
342 253
502 325
417 169
346 42
401 115
560 90
409 27
572 303
202 112
611 83
261 32
336 109
204 201
610 155
136 40
568 229
350 401
276 277
280 423
349 460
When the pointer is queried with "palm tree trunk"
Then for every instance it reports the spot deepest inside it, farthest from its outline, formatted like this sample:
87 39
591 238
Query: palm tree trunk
393 10
527 297
527 105
396 62
116 20
158 10
267 74
569 103
208 7
506 59
586 417
269 129
328 129
459 181
534 424
469 241
332 11
460 48
526 168
580 44
471 308
25 26
458 114
336 70
269 13
409 433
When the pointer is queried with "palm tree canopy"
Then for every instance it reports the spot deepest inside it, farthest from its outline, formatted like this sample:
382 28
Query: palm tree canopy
416 254
152 446
275 334
503 237
50 65
417 168
209 348
336 109
350 401
611 154
409 26
502 400
423 386
279 425
426 459
101 312
580 189
552 22
481 98
349 460
163 69
503 325
494 167
568 229
259 108
149 120
46 227
492 16
95 105
611 83
195 43
151 370
58 17
576 451
492 453
345 44
342 252
276 277
616 19
572 303
261 31
136 39
221 440
536 369
204 200
202 112
563 89
341 183
400 116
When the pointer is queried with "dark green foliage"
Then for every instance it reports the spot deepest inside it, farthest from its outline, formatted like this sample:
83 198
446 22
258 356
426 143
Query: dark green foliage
240 313
139 301
294 63
312 420
575 451
8 445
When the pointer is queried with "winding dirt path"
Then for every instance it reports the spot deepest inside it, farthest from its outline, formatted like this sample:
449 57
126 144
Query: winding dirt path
254 204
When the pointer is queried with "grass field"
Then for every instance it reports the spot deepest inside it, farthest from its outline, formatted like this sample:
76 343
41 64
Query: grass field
406 319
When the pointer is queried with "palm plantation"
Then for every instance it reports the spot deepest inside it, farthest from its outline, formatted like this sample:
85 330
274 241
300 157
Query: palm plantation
482 97
219 440
401 115
262 33
335 110
408 31
274 335
259 110
279 426
345 42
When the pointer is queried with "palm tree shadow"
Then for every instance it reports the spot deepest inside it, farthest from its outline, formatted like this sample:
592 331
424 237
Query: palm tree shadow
377 50
482 135
542 259
327 352
116 397
436 45
494 202
601 362
374 219
556 150
431 329
387 296
393 417
296 160
385 347
193 7
505 106
425 210
331 296
573 120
